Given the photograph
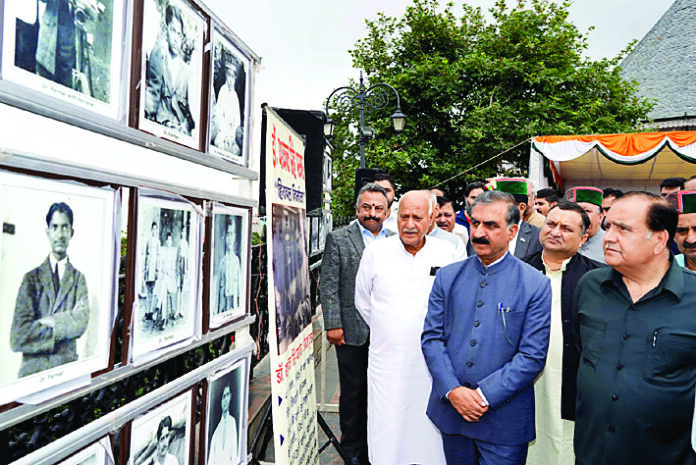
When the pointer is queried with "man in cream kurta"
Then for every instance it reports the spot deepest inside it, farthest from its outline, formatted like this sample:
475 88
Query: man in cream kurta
565 228
391 293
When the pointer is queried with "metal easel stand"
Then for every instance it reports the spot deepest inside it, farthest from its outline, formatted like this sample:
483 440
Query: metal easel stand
259 445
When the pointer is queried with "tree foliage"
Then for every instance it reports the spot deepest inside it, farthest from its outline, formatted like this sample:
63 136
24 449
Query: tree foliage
473 87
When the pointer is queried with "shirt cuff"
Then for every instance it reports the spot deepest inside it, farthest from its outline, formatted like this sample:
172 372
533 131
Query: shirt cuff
480 393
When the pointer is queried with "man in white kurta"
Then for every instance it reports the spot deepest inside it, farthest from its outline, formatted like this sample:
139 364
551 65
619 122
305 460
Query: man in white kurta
391 293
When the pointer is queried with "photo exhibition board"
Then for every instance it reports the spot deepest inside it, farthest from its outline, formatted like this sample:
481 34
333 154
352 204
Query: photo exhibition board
74 55
55 328
290 333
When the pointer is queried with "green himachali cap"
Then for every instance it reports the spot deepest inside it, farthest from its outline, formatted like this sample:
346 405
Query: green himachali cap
686 201
587 194
514 186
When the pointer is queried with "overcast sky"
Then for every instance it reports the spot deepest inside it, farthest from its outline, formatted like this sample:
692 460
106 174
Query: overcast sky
304 44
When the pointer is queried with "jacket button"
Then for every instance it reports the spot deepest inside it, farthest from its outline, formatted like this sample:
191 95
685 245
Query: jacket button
479 303
477 324
469 363
472 343
614 397
611 429
619 367
467 385
625 336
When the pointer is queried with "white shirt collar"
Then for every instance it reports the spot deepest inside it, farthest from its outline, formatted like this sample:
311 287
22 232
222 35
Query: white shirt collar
61 264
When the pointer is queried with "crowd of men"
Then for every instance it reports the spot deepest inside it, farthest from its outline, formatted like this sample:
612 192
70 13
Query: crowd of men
541 328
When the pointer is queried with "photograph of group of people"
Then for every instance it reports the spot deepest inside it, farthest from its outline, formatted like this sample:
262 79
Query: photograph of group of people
68 49
164 311
293 310
72 51
57 269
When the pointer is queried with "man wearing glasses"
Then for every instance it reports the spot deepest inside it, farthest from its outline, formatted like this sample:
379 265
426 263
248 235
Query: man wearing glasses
344 326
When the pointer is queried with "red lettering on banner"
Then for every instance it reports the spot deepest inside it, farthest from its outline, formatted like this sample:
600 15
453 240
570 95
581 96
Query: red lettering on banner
285 155
279 373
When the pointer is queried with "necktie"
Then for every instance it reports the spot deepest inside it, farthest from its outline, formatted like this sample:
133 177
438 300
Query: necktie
56 279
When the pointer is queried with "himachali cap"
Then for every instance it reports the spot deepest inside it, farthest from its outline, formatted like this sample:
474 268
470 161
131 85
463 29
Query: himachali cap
686 201
514 186
587 194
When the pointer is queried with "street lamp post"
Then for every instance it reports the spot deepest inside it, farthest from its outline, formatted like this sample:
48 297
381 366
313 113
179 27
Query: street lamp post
367 100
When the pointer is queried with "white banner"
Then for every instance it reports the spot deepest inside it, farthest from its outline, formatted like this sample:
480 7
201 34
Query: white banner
290 312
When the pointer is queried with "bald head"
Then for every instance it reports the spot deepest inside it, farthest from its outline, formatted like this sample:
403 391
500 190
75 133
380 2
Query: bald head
415 218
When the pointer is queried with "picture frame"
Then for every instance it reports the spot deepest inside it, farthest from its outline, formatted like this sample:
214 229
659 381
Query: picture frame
73 55
229 101
165 299
50 338
170 87
166 430
98 453
228 299
217 447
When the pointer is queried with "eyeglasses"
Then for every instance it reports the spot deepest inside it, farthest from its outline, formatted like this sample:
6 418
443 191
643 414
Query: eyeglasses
366 207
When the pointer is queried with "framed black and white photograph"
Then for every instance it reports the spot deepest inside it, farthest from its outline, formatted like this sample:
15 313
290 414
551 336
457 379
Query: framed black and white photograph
229 100
71 50
58 260
99 453
163 435
290 274
229 264
226 415
172 71
166 301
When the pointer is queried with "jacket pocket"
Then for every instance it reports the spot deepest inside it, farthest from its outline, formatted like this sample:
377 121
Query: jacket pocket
669 358
592 331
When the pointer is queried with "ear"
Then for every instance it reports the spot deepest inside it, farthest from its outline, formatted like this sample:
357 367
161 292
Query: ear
512 230
661 242
584 238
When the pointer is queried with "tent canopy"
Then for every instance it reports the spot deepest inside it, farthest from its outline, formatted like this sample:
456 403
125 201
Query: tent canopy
634 159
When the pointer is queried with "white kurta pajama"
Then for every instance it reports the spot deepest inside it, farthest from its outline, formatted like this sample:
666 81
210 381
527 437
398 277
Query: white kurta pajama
391 293
554 436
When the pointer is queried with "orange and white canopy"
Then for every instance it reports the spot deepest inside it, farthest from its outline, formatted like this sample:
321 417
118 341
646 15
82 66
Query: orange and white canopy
643 158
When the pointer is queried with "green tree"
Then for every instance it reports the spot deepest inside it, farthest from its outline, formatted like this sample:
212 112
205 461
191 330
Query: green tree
474 87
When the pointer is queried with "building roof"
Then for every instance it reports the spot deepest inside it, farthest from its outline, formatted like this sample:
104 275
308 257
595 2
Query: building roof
663 62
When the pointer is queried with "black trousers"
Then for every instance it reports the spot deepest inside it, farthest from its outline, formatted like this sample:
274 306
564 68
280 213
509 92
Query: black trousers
352 404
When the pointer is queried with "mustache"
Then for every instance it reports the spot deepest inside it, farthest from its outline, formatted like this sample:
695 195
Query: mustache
368 218
689 245
480 240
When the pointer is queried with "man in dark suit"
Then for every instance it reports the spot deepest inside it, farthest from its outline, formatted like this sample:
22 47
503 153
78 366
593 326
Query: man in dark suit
564 230
52 308
484 342
345 327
